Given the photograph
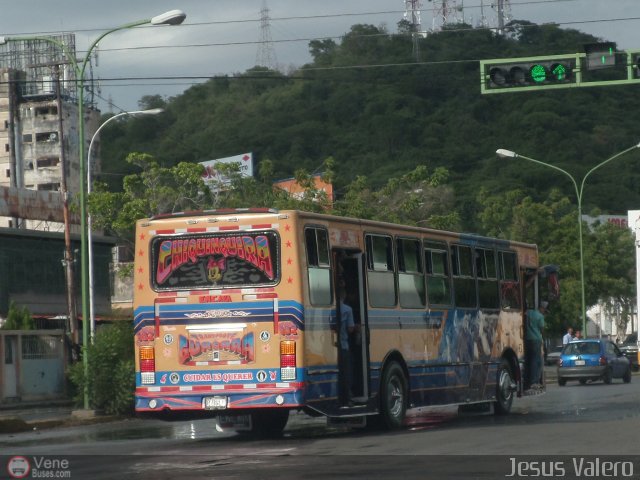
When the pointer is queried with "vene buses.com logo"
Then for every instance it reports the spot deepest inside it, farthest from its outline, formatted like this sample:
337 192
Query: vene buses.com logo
18 467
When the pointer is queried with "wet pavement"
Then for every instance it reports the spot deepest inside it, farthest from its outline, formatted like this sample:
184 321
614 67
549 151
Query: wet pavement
25 416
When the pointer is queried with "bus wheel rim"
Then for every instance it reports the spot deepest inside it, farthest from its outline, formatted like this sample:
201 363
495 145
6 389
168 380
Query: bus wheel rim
396 397
505 385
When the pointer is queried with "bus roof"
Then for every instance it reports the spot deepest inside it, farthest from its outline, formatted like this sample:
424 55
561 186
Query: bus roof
467 238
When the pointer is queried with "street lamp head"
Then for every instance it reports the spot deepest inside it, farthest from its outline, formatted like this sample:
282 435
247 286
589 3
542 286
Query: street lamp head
501 152
172 17
152 111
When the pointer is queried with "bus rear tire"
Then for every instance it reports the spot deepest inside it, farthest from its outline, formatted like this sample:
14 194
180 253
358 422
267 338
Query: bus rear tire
393 396
504 389
269 423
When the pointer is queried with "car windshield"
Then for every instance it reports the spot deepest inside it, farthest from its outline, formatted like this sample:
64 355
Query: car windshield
582 348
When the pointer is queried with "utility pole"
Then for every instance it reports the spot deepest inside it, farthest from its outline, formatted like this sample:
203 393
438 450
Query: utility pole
68 254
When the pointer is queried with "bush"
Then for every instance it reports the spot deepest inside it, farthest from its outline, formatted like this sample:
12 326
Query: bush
18 318
111 380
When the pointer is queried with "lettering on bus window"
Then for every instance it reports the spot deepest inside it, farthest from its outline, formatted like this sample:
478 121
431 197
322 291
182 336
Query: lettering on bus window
318 266
487 278
436 257
411 287
219 347
510 296
197 261
380 271
464 283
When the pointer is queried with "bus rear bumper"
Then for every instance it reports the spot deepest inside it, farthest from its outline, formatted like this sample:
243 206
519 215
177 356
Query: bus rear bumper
164 400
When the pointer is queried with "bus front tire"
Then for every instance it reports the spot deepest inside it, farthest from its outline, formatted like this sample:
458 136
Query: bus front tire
394 396
504 389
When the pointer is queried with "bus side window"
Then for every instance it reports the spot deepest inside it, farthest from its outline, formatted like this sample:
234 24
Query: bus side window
436 259
318 266
464 283
410 273
487 278
380 271
509 284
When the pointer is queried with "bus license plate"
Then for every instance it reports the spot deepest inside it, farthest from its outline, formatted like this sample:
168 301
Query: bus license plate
214 403
579 363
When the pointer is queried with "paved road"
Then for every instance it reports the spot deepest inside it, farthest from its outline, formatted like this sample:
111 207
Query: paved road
574 421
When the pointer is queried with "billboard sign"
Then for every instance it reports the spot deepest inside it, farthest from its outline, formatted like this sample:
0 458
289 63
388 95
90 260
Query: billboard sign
213 178
33 205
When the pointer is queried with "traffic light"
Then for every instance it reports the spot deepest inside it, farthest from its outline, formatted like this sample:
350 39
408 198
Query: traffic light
527 73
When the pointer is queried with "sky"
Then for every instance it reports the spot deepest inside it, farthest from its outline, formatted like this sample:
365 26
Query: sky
222 37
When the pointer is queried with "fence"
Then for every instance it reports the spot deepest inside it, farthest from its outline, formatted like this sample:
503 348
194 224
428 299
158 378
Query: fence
33 365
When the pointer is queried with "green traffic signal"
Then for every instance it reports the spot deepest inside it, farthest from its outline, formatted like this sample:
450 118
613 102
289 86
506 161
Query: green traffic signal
559 72
538 73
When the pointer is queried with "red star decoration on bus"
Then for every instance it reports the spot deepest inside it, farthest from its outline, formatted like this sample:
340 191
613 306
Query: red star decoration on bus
287 227
140 253
288 244
289 261
289 280
142 236
140 270
140 286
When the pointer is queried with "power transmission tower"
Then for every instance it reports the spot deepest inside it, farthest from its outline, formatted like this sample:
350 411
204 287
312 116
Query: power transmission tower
412 15
503 13
444 12
266 55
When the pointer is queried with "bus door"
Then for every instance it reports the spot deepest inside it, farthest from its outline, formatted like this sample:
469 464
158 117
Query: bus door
354 360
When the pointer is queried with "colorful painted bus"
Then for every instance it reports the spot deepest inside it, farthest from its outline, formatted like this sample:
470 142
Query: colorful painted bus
236 316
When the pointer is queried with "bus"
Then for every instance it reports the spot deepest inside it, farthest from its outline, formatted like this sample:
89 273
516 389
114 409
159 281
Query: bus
236 316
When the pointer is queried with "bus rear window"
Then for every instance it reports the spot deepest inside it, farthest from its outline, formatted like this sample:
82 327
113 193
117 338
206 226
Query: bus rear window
215 260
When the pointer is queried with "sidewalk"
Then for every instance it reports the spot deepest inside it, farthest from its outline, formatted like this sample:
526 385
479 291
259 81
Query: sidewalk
25 416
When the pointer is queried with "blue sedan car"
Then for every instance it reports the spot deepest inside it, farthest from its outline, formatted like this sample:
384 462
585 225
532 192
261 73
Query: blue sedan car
585 360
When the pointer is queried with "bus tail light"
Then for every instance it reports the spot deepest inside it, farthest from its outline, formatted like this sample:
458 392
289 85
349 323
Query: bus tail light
147 365
288 360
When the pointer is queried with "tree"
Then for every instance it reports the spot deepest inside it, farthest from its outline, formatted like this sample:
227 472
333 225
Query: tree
415 198
18 318
608 251
153 191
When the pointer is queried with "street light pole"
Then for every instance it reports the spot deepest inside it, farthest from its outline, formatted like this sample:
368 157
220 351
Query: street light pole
579 191
172 17
92 316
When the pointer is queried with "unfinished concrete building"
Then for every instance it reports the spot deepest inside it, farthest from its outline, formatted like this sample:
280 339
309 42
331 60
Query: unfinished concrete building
39 121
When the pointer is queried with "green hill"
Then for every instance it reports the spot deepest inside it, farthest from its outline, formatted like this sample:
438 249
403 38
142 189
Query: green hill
378 112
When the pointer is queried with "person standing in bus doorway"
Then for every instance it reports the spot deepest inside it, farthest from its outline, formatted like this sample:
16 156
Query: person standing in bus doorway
567 336
347 327
533 344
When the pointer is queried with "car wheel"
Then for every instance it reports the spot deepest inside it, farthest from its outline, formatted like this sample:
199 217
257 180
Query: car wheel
583 381
394 396
562 381
504 389
626 378
608 376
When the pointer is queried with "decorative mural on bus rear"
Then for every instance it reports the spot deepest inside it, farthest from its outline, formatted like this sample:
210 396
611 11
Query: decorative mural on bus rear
223 260
216 347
